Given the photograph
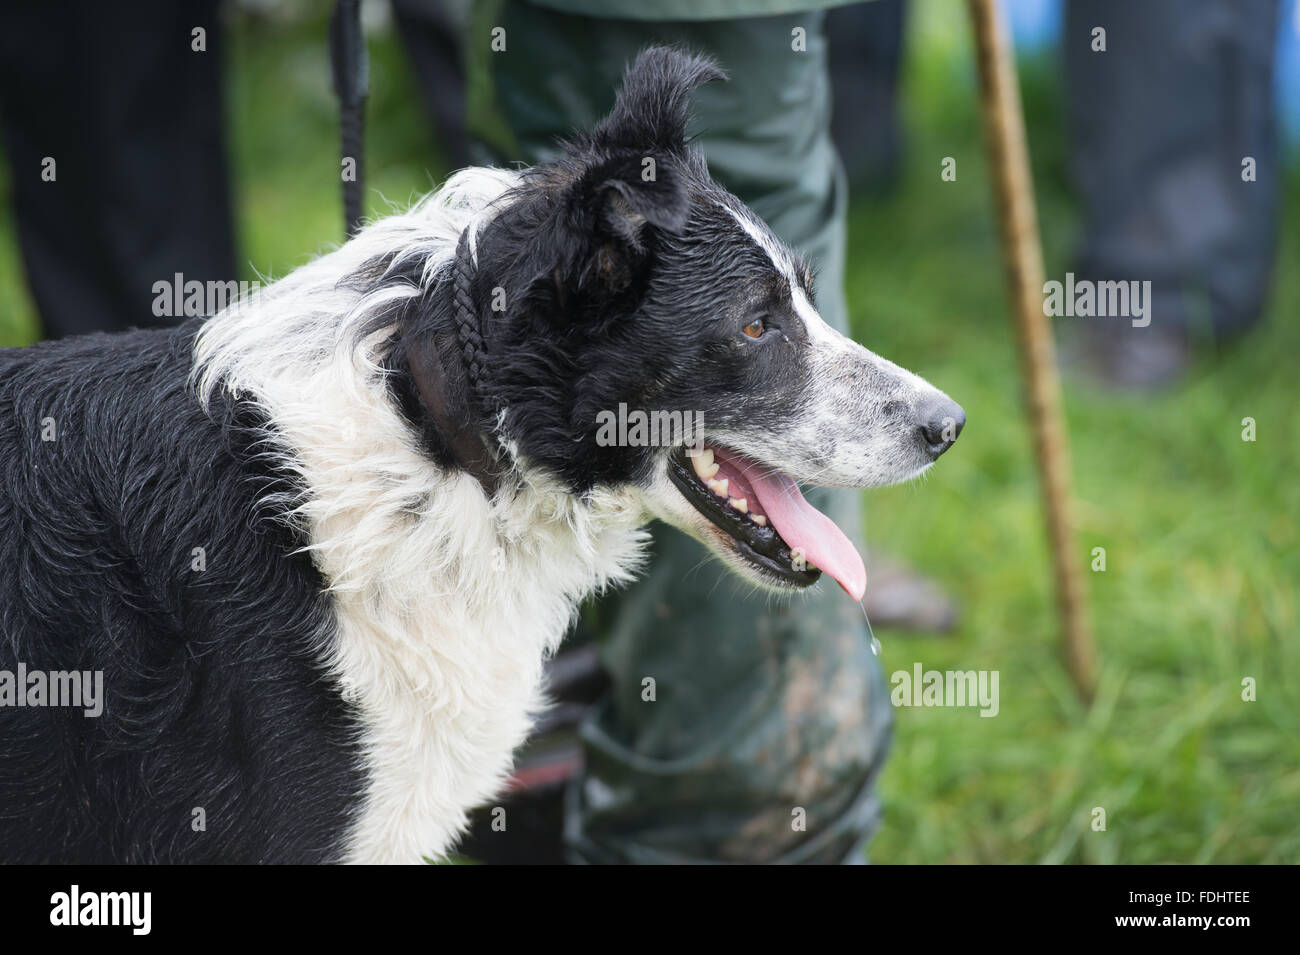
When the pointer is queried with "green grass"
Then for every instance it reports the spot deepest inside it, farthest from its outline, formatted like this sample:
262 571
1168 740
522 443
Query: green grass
1200 528
1200 531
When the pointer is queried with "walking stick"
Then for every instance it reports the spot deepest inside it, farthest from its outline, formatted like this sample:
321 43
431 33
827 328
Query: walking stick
1004 131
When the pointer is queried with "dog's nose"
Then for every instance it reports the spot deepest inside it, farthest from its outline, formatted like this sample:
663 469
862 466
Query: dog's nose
941 421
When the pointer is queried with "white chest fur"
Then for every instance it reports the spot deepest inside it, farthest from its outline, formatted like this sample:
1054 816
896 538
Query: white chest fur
446 605
444 660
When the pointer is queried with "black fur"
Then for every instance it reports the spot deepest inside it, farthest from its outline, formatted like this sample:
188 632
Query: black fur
214 699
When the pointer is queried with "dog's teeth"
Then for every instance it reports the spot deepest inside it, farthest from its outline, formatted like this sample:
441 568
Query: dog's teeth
758 519
704 464
719 487
740 504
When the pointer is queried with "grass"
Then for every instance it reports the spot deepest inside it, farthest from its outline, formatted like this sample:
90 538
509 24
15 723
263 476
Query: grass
1200 528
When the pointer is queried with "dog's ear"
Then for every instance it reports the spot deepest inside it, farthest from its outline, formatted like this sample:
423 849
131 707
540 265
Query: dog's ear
622 203
653 105
632 167
589 218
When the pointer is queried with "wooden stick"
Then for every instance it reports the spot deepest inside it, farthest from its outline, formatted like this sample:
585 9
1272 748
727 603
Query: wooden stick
1004 131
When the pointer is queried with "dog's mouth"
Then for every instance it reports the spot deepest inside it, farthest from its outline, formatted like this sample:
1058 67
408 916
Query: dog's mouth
768 522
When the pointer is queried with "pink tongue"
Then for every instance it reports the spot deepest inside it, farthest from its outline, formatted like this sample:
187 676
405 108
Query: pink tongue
806 529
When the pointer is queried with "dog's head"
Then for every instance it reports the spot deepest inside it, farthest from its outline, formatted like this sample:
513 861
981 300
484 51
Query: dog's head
648 331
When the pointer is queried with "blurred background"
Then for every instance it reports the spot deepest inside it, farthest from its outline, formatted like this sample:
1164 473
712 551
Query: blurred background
1200 528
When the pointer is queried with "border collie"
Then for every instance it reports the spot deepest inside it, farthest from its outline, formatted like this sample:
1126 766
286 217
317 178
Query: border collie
318 546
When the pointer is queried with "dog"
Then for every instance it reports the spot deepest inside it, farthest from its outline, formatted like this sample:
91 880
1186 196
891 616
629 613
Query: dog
318 547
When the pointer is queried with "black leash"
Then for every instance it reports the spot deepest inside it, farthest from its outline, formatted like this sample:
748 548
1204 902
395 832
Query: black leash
351 69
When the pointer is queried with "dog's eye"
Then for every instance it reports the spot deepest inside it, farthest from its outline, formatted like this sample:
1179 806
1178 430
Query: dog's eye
755 328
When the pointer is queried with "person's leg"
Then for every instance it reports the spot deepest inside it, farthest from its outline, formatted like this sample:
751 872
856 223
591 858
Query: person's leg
770 720
131 115
1160 124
